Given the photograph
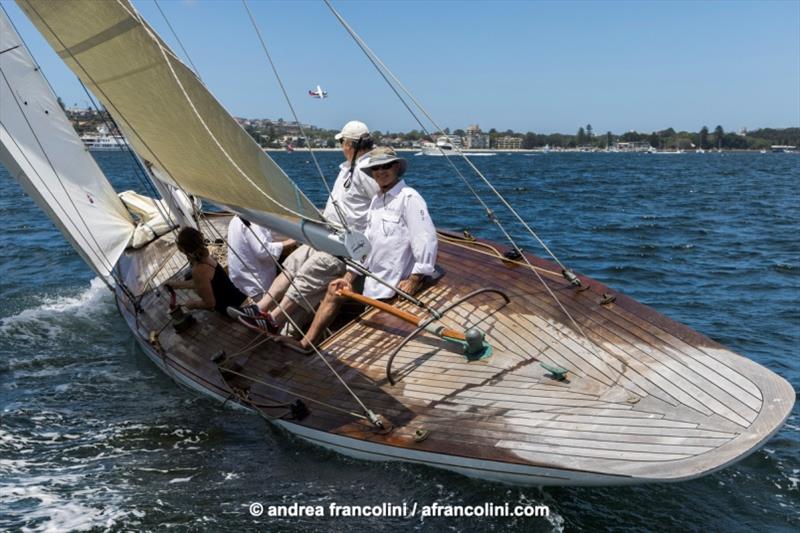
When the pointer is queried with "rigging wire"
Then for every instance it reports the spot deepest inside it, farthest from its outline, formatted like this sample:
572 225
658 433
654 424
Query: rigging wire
139 171
212 227
381 67
207 129
99 252
135 15
180 43
101 255
335 204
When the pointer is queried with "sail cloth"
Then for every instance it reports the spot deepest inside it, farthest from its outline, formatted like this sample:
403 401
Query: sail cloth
164 110
43 153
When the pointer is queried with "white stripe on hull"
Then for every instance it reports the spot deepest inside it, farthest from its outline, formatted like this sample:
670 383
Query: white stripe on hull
476 468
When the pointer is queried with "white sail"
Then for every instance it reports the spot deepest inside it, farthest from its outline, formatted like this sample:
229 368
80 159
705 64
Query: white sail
167 114
43 153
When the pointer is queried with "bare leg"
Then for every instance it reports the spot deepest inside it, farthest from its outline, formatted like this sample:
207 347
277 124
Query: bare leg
286 309
275 292
327 310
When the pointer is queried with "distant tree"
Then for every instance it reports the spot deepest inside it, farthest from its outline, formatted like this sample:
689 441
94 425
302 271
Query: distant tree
447 131
734 141
633 136
459 132
608 139
580 138
655 140
719 134
589 132
703 137
529 141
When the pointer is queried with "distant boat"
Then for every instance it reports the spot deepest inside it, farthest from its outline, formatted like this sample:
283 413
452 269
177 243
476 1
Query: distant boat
97 142
783 149
445 146
563 381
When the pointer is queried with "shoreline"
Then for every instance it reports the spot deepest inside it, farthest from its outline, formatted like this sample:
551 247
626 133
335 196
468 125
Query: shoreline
532 151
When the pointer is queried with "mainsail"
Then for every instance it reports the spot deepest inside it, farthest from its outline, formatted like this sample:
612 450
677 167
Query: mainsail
41 150
165 111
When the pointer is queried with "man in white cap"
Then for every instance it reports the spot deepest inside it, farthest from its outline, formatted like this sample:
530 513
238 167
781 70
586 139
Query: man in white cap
307 271
403 238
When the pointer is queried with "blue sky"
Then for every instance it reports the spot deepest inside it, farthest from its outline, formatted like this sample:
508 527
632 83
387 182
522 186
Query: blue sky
526 66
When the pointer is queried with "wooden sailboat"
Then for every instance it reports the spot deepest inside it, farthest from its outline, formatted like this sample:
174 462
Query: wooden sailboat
573 384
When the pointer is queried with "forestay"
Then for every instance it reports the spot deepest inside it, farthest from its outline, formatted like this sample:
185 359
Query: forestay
41 150
164 110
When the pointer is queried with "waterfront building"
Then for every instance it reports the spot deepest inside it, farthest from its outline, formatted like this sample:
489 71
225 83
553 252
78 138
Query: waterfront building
475 138
507 142
635 146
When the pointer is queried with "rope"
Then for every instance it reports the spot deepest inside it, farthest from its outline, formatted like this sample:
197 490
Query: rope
98 252
194 68
381 67
139 171
205 126
294 114
307 398
376 61
497 254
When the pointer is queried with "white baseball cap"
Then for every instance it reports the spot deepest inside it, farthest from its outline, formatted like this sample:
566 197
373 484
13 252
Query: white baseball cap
353 130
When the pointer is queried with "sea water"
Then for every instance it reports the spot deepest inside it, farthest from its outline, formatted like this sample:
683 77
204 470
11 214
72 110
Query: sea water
93 436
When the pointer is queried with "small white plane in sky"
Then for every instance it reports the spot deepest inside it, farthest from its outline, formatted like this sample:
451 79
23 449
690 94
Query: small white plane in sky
319 93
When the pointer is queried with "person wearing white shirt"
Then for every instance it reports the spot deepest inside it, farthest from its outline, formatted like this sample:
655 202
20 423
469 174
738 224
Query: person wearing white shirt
307 272
252 256
403 238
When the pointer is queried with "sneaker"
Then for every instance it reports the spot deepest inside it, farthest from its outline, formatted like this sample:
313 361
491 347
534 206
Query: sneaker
251 315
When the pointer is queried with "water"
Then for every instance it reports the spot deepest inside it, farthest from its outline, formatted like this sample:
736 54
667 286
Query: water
93 436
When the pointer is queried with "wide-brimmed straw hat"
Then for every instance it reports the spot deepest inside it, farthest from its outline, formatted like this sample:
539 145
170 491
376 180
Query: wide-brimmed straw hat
353 130
381 156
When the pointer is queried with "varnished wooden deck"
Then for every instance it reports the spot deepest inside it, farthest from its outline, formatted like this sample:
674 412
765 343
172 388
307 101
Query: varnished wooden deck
646 398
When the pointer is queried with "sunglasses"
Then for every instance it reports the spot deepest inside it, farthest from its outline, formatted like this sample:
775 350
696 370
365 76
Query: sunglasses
385 166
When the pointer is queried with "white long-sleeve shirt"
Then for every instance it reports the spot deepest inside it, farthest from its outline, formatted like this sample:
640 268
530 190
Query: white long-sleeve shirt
403 239
353 196
250 266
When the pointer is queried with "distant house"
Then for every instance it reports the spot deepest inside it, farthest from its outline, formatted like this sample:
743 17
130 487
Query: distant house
475 138
507 142
637 146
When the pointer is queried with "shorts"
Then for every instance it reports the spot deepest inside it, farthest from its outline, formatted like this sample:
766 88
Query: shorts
311 271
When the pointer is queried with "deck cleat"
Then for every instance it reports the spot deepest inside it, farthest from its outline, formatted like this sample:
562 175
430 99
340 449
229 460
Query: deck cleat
556 372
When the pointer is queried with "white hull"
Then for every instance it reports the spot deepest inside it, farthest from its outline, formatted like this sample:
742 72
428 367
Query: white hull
437 153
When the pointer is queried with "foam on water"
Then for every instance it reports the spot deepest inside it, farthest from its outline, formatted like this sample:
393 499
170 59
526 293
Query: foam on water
55 317
92 434
56 512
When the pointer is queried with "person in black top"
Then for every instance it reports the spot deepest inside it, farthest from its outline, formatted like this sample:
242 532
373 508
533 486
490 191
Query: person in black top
209 279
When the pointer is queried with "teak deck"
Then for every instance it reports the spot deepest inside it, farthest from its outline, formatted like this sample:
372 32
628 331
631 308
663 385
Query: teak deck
645 399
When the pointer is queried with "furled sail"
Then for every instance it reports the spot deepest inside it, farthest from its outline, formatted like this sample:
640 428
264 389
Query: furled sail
41 150
164 110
